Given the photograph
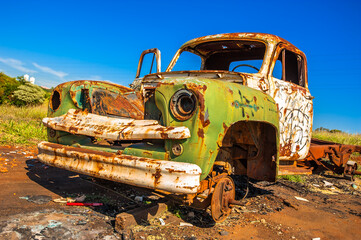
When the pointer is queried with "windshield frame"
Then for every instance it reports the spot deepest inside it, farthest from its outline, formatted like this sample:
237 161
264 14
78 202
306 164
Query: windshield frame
265 61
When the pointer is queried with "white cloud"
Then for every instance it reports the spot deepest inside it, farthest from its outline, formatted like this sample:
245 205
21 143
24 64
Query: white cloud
96 77
17 64
50 71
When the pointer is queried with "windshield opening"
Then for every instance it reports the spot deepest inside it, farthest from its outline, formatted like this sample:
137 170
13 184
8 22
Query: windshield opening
229 55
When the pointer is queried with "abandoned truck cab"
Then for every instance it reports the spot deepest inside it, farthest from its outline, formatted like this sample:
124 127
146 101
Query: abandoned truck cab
236 107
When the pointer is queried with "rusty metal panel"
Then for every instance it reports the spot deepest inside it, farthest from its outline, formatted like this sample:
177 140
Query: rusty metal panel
105 98
175 177
296 114
83 123
128 104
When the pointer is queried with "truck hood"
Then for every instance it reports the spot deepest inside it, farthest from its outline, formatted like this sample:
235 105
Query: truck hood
209 74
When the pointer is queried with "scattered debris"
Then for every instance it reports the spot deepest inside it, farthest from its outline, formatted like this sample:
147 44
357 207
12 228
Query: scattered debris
81 222
264 199
327 184
301 199
161 221
191 215
80 198
60 200
75 176
54 224
38 199
138 198
83 204
223 233
184 224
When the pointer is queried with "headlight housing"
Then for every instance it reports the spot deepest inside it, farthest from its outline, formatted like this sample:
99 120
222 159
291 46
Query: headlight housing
55 100
183 104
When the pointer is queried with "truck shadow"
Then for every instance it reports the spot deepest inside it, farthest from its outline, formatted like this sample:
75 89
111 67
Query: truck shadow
117 198
69 184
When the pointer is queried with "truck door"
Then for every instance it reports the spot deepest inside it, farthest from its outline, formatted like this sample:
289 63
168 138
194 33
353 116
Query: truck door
289 88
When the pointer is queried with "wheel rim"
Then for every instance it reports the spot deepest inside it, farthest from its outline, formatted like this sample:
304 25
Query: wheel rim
223 193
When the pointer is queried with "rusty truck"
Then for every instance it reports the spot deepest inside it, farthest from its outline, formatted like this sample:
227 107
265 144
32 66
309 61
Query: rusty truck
227 104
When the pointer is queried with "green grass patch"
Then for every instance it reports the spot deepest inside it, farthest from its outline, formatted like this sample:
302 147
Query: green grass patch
338 137
176 211
292 178
22 125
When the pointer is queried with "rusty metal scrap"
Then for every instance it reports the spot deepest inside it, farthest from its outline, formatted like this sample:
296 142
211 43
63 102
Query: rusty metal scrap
83 123
175 177
337 154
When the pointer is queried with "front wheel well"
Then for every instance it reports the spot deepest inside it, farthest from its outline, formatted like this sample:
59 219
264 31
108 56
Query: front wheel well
250 148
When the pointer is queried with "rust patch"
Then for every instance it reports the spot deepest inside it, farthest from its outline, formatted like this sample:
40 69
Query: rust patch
285 150
175 171
157 175
81 150
200 133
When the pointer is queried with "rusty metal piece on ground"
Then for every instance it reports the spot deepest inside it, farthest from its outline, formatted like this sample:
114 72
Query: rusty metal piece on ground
350 170
334 156
294 169
136 216
175 177
83 123
223 195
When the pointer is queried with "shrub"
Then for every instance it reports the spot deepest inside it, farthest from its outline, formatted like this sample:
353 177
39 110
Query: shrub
7 86
28 94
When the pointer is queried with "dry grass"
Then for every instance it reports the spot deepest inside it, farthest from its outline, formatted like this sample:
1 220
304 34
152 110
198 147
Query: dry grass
22 125
339 137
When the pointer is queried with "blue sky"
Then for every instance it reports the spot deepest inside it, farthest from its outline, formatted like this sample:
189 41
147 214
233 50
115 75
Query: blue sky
102 40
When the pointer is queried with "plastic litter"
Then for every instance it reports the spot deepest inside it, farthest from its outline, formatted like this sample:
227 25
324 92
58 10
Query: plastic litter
83 204
38 199
53 224
139 198
161 221
60 200
80 198
327 184
183 224
301 199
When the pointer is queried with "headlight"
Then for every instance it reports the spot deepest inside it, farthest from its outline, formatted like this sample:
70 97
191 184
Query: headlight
183 104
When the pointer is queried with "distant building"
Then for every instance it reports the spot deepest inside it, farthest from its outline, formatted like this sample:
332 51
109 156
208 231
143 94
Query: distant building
32 80
26 77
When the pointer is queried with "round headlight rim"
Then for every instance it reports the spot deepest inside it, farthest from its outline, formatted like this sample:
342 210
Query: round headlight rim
176 112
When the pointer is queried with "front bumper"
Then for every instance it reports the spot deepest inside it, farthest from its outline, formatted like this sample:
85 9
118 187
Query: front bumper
173 177
113 128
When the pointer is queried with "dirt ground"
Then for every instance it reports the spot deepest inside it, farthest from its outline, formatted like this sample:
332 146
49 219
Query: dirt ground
328 207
